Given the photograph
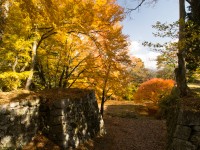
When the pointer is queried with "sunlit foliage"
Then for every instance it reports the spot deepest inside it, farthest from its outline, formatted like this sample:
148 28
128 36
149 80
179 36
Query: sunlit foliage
66 43
154 90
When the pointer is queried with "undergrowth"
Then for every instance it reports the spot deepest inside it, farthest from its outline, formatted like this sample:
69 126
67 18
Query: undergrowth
167 102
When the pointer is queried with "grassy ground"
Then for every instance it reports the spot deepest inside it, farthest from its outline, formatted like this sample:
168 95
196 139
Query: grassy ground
195 87
128 109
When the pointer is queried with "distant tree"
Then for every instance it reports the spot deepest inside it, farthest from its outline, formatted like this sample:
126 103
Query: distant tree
137 74
153 90
165 73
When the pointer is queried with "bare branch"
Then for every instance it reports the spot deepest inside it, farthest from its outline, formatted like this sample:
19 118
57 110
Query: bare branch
129 10
189 1
76 78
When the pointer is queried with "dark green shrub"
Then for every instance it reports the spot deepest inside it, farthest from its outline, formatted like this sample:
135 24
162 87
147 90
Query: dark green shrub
166 102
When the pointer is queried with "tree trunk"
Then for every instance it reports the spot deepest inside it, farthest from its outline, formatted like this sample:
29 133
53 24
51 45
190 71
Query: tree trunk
39 69
102 103
104 93
181 70
61 78
30 78
15 64
65 83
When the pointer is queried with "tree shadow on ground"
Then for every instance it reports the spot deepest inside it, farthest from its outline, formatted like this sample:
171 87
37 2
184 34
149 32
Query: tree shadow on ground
128 127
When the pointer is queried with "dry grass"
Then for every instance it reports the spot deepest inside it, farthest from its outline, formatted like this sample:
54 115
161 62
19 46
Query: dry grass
17 95
40 142
50 94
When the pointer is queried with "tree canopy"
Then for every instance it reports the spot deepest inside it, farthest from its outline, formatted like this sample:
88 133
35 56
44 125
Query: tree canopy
66 44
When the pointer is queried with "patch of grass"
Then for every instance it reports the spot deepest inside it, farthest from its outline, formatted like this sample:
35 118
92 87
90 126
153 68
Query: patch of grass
123 111
129 109
168 101
195 87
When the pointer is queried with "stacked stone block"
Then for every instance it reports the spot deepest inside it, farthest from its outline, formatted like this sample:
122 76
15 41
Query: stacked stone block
67 121
184 130
18 123
71 121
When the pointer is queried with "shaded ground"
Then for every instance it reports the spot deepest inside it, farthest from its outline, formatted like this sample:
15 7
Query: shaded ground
128 128
129 134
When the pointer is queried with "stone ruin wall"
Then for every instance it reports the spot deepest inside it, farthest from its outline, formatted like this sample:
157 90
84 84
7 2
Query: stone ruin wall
18 123
183 129
67 121
71 121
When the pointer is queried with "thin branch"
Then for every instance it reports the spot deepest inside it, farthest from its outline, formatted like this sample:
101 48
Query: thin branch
46 35
15 64
108 97
76 78
189 1
77 66
132 9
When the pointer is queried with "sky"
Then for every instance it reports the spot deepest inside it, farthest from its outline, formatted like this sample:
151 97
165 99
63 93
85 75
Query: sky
139 26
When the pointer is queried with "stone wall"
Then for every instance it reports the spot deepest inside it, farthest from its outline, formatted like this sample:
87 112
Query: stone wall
184 128
66 119
18 123
70 121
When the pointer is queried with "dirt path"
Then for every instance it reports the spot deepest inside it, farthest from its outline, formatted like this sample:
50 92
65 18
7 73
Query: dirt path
129 134
128 130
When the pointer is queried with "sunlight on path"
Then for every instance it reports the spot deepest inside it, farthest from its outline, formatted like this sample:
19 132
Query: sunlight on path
128 130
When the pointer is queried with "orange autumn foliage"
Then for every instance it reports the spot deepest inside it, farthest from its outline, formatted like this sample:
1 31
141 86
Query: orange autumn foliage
154 89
